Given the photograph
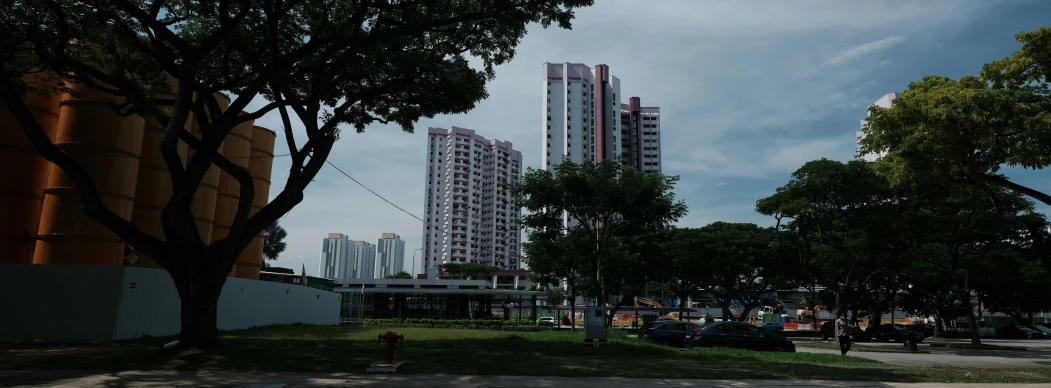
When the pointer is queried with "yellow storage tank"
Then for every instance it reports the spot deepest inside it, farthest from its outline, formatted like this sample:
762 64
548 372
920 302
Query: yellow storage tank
23 178
154 187
237 147
107 146
204 200
260 167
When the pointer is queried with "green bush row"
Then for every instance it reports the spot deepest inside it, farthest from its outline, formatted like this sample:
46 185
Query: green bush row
391 322
448 322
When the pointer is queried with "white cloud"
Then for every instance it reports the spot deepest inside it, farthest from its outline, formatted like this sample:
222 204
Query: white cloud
858 51
741 86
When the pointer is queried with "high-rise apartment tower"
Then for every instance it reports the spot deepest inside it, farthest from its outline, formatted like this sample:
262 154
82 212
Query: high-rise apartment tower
390 255
469 214
343 258
585 119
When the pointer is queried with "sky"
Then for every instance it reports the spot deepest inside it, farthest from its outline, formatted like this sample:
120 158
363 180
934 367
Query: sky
748 91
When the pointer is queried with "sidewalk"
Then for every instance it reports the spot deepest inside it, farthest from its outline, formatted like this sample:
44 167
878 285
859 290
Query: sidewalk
279 380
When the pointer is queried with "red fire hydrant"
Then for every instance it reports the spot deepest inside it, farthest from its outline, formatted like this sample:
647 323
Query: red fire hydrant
391 338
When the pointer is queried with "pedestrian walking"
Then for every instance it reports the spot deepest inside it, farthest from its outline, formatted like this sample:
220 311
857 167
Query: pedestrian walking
843 332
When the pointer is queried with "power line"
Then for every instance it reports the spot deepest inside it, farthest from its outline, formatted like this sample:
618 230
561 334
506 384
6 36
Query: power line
428 224
119 155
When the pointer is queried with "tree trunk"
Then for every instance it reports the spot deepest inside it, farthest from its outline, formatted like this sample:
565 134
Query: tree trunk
572 310
976 339
199 301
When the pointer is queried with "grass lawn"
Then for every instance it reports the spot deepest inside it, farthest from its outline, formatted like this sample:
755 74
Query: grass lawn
479 352
855 347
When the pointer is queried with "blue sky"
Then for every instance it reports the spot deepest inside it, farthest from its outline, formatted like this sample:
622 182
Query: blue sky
748 90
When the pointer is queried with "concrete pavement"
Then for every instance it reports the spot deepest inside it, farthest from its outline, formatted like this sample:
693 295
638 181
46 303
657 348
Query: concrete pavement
137 379
1038 354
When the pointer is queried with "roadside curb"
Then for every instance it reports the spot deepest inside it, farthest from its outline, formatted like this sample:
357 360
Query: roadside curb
970 347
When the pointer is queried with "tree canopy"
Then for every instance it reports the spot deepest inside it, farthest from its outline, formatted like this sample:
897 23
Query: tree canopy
599 215
274 241
320 65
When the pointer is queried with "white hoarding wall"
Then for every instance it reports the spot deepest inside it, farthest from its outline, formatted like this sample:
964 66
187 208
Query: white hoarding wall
97 303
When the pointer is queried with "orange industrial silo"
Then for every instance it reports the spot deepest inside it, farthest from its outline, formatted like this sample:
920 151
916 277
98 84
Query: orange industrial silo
204 199
260 166
236 147
154 184
23 175
107 145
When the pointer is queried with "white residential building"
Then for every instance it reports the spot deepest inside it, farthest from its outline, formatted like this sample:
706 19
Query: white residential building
884 102
390 255
335 256
362 261
469 214
343 258
586 118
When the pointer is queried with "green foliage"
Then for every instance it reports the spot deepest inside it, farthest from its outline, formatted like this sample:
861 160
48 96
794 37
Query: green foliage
736 261
472 324
1031 64
964 130
466 270
617 211
274 241
400 275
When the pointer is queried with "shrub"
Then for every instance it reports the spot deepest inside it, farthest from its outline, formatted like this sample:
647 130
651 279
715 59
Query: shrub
483 324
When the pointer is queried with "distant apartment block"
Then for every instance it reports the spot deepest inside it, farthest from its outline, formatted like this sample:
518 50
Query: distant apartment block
884 102
585 119
469 215
390 255
335 255
343 258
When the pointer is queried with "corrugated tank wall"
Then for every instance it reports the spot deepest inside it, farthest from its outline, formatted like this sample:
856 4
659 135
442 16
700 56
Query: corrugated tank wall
154 187
205 197
260 166
237 147
23 176
107 146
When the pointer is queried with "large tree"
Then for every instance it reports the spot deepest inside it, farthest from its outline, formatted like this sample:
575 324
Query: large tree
966 130
319 63
607 205
743 265
844 224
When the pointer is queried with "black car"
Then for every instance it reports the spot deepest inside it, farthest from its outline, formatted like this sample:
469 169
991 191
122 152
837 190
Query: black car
1020 332
671 333
739 335
895 332
925 329
828 330
1046 332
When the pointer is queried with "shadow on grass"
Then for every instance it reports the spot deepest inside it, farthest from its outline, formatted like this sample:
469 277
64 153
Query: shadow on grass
477 352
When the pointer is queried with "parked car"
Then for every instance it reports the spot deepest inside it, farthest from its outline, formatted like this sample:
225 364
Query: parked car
925 329
1019 332
895 332
739 335
545 321
672 333
828 330
770 326
1042 329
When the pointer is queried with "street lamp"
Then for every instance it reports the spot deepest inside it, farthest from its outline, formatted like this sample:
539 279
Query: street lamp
414 262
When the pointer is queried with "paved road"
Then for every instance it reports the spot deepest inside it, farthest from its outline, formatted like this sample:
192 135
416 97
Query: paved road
1037 353
281 380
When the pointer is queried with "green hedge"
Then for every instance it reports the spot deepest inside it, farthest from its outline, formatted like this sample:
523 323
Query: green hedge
483 324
